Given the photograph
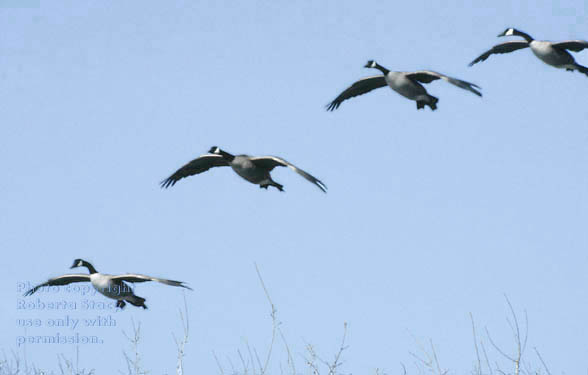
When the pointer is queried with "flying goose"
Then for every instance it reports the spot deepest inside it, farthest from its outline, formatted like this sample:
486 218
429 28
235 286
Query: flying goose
551 53
112 286
255 169
407 84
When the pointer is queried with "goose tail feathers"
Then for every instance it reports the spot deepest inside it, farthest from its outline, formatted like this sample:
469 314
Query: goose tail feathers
137 301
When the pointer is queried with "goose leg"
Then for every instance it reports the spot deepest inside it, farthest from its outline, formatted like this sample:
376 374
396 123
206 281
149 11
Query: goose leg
272 183
278 186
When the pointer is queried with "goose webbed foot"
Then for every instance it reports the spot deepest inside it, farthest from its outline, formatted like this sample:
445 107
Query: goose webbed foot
120 303
274 184
432 102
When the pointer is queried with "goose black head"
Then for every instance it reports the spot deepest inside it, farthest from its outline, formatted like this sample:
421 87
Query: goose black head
215 150
83 263
77 263
370 64
508 32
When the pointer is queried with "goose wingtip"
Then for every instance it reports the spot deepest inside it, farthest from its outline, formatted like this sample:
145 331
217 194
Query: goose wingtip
168 182
332 106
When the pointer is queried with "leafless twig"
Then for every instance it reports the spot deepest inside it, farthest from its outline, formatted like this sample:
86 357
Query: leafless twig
431 362
486 358
290 358
274 322
337 361
311 361
180 345
520 346
479 362
542 361
220 367
134 364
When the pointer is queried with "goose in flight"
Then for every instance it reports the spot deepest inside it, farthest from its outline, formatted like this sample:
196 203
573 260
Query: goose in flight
255 169
552 53
407 84
111 286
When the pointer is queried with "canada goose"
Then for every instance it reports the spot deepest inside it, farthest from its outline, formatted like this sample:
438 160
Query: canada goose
554 54
255 169
405 83
112 286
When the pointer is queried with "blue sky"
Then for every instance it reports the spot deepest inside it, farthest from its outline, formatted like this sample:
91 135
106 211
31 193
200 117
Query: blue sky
429 215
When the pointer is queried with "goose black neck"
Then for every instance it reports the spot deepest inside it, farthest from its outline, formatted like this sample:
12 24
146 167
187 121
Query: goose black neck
90 267
527 37
381 69
228 157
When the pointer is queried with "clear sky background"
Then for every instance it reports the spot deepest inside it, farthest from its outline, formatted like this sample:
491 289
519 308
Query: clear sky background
428 216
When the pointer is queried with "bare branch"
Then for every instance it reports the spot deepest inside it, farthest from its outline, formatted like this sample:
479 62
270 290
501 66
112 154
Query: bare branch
290 359
542 361
497 348
311 362
431 362
243 363
220 368
180 345
436 360
486 357
336 363
479 362
274 322
134 365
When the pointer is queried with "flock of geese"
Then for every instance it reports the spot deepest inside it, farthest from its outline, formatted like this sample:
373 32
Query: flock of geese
256 169
408 84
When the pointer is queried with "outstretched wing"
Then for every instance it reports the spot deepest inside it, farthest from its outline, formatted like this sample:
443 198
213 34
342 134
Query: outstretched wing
360 87
501 48
60 280
572 45
270 162
137 278
198 165
426 76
